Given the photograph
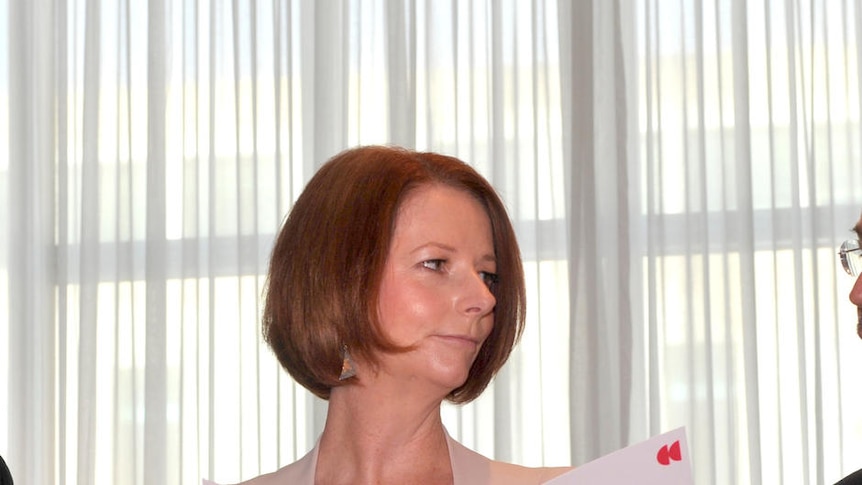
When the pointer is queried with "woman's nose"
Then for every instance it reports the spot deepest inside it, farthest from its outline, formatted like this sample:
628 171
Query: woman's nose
477 296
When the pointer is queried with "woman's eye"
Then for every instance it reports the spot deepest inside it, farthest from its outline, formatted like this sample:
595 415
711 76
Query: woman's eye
490 279
433 264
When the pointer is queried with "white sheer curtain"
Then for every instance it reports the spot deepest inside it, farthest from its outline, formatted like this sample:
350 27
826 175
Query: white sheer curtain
749 165
679 173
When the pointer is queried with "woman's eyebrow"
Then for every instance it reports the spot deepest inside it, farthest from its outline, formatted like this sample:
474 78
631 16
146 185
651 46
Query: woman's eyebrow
433 244
489 258
445 247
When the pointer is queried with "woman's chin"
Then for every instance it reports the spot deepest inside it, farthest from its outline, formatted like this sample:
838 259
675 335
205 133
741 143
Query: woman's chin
446 372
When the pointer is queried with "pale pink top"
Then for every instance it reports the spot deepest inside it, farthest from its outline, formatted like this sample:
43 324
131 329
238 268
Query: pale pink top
468 468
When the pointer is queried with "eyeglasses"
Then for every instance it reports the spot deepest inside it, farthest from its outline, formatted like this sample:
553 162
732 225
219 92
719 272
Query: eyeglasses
850 255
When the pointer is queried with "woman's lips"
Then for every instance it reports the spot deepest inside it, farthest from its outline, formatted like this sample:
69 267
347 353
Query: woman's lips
464 340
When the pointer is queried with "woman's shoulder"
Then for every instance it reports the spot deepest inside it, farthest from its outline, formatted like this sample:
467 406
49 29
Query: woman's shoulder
469 467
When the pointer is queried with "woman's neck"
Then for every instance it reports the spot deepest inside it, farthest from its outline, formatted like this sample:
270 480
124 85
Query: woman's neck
376 437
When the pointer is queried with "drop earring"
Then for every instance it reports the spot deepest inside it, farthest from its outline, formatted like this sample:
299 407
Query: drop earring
348 370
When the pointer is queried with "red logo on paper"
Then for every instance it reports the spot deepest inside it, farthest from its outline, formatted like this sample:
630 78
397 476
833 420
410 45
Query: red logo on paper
666 454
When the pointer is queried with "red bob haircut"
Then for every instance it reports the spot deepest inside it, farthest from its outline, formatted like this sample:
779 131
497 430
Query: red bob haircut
327 265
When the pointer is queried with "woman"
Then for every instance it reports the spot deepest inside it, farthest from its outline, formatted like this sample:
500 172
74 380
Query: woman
395 283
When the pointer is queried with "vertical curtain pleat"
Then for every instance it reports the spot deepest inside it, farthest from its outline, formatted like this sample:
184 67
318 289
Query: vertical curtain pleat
798 131
189 385
61 88
535 191
400 25
234 190
584 339
254 268
279 52
209 258
621 306
745 226
707 442
504 388
651 147
125 435
727 433
156 379
331 29
773 183
89 249
31 263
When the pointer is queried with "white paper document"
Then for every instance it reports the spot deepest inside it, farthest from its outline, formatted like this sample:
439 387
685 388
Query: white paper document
660 460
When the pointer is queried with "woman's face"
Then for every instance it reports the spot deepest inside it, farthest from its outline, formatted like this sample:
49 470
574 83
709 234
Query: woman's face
435 292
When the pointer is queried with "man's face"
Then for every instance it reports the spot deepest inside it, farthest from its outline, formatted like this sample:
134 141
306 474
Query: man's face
856 292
